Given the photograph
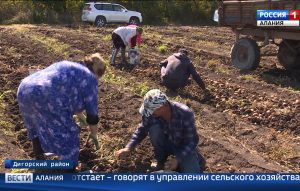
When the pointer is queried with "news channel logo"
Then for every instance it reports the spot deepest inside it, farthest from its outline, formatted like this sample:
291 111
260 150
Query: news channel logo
18 178
271 18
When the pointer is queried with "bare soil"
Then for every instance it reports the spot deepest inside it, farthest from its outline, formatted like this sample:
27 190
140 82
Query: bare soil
250 125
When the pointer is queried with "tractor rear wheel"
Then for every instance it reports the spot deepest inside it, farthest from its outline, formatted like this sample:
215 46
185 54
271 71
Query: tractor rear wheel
289 55
245 54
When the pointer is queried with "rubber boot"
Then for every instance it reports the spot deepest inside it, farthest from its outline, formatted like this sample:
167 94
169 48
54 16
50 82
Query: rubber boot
123 57
113 56
37 149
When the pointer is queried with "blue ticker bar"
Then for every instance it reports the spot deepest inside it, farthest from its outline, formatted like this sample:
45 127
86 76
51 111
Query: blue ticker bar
272 15
39 164
150 182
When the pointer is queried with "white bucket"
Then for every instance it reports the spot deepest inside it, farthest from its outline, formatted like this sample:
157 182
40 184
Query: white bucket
134 56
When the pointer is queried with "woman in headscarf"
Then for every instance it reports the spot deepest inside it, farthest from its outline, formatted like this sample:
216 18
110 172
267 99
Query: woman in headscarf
49 98
122 37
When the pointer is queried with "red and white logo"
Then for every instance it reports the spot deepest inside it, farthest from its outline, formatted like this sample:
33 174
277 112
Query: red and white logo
294 14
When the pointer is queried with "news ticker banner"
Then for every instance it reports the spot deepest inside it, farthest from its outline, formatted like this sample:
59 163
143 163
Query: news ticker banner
287 18
152 181
39 164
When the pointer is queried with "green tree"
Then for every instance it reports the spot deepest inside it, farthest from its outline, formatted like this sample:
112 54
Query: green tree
69 11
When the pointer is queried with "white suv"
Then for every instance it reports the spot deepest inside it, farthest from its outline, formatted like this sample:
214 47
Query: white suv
102 13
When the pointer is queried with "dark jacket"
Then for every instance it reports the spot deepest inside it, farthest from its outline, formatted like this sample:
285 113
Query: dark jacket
176 70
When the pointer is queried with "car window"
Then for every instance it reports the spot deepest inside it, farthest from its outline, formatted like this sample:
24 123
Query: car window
98 6
118 8
107 7
86 7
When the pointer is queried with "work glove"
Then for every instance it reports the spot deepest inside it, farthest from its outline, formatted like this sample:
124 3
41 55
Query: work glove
94 139
80 119
82 122
207 95
206 92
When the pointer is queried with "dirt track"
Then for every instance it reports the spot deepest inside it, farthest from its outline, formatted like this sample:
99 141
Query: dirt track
251 124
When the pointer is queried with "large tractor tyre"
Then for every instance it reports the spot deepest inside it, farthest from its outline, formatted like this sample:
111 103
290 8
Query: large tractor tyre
245 54
134 21
289 55
100 21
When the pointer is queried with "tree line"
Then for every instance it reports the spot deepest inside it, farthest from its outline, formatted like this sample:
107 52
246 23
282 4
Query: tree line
192 12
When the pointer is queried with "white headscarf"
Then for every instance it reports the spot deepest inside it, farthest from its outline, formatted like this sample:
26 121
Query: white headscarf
153 100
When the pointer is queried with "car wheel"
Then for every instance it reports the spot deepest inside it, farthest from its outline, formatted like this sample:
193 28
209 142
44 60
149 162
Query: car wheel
100 21
134 21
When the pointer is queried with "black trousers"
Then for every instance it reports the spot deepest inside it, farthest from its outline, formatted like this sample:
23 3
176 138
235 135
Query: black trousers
117 41
171 84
